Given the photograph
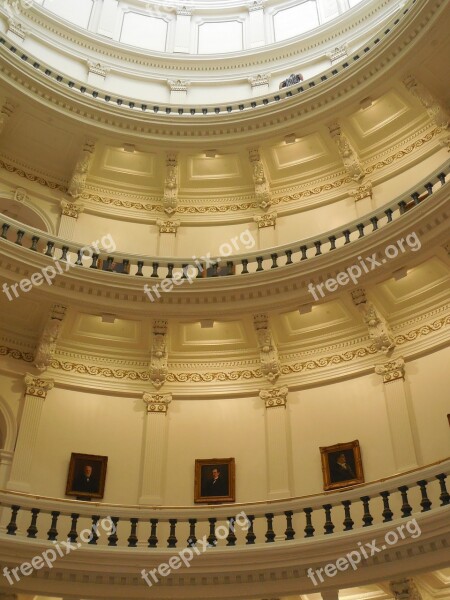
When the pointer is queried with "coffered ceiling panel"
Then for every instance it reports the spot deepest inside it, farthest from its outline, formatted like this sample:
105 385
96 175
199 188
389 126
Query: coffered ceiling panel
224 171
25 313
223 336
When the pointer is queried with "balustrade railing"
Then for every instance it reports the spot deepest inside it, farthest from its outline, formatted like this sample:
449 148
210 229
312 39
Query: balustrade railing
252 262
397 499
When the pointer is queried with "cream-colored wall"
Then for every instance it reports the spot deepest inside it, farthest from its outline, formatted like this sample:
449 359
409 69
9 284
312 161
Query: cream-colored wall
74 421
428 384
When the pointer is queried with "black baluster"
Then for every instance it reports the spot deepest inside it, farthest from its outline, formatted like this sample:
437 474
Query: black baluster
125 266
153 540
155 267
212 540
303 250
388 212
140 265
374 221
332 239
72 535
94 528
360 228
274 258
113 537
346 234
290 532
415 196
231 537
425 503
259 260
429 188
309 529
172 540
406 508
170 268
52 533
32 529
230 267
402 206
288 257
109 263
79 261
20 235
12 525
94 261
348 521
65 250
192 539
184 268
244 266
318 246
215 270
34 242
367 517
387 512
5 228
441 178
133 539
328 527
270 533
49 250
444 496
250 537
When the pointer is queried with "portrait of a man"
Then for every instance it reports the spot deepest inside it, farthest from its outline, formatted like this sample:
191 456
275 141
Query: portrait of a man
86 478
214 480
341 465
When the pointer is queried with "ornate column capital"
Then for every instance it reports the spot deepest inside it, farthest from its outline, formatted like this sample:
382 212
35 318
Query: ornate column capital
178 85
362 191
256 5
37 386
405 589
70 209
338 53
392 370
167 226
156 403
259 79
275 397
21 195
267 220
184 10
17 28
97 68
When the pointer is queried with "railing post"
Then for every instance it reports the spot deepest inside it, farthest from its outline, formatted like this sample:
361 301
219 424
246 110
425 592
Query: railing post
406 508
270 533
212 539
94 529
444 495
348 521
367 517
133 540
52 533
113 537
290 532
192 539
172 540
309 529
328 527
72 535
425 503
32 529
250 537
387 512
11 528
231 537
153 540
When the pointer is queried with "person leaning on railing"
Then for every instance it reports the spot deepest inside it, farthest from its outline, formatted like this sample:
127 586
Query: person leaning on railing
291 80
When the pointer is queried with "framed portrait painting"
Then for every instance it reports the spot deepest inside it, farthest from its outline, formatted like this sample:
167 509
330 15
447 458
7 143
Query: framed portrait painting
87 475
341 465
214 480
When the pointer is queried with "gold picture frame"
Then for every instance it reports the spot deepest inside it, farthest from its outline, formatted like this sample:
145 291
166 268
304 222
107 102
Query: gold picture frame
341 465
87 476
214 480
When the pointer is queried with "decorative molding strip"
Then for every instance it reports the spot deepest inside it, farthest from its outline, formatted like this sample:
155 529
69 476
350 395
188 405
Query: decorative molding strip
16 354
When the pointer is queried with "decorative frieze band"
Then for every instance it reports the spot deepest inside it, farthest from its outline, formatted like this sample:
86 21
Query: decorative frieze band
275 397
392 370
37 386
156 403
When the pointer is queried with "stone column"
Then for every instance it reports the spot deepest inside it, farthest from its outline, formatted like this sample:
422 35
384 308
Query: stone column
155 442
277 436
183 29
266 229
167 237
35 394
393 373
256 17
108 18
5 466
70 211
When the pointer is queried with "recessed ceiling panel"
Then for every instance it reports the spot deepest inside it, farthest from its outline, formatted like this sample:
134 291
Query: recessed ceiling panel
220 167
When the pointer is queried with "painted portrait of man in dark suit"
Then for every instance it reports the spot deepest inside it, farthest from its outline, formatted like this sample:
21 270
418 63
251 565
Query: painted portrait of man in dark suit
342 466
215 481
87 481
